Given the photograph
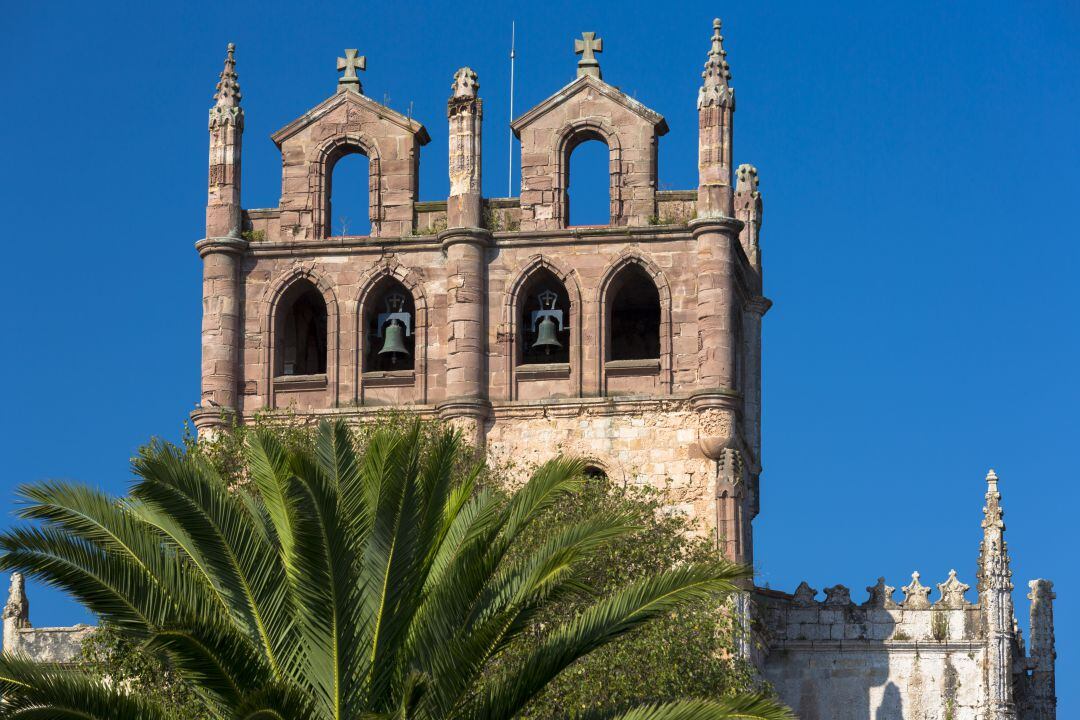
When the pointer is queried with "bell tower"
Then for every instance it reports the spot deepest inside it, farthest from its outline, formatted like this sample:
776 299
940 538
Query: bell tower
635 344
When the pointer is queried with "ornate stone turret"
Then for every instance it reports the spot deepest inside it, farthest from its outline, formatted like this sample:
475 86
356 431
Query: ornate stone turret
995 599
716 108
1042 693
720 313
748 211
465 244
220 251
16 613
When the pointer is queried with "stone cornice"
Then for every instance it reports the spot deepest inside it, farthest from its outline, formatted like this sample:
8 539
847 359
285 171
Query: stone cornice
727 225
463 407
759 305
227 245
473 236
544 238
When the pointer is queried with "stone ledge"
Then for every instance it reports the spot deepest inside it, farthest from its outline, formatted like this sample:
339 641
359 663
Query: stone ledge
544 371
290 383
632 368
388 378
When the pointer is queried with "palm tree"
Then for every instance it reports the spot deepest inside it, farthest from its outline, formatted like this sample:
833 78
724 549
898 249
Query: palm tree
333 585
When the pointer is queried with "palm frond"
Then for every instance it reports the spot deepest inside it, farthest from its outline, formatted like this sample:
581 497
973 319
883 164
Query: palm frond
741 707
601 623
38 691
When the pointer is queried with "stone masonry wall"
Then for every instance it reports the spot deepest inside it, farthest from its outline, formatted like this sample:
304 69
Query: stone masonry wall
586 260
837 660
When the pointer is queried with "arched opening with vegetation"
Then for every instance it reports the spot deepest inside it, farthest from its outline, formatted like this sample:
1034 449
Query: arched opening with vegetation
301 331
633 316
544 321
348 194
588 181
389 321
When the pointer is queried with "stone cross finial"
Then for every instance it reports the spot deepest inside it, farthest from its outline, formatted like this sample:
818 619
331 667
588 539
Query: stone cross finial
350 64
227 94
465 83
587 47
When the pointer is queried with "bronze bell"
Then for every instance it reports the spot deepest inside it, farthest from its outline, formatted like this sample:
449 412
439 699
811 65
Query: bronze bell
545 335
394 339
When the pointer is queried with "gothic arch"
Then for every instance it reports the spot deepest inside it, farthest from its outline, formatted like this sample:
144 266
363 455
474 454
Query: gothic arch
321 167
513 303
569 137
271 302
635 257
413 283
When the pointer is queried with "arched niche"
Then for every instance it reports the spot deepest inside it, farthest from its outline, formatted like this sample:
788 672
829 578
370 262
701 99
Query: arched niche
634 307
534 372
301 342
388 293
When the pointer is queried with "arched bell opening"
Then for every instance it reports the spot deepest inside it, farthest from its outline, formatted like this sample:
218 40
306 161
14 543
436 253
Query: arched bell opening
348 197
301 334
544 321
587 195
390 329
634 320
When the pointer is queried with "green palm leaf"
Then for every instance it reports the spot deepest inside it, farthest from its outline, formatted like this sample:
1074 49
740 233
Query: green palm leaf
345 581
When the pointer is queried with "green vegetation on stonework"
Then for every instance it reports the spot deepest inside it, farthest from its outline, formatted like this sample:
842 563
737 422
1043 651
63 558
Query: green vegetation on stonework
333 574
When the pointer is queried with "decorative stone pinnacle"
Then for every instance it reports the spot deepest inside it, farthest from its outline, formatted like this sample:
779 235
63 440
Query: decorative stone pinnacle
587 47
952 592
992 478
227 94
17 607
881 595
352 62
716 90
916 595
746 179
465 83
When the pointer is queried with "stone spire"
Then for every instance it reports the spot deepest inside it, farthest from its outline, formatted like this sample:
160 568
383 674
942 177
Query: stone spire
995 601
716 108
1042 694
716 88
16 612
220 250
994 571
228 94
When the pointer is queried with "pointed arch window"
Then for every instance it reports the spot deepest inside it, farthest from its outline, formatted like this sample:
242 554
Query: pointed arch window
301 334
390 329
634 316
544 321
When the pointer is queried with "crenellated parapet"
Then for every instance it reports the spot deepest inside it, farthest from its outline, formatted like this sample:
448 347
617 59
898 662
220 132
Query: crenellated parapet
940 657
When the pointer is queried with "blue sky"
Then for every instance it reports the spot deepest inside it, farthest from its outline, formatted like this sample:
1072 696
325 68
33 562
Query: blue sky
920 167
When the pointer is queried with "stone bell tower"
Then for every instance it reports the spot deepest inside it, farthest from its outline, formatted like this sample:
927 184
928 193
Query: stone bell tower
635 343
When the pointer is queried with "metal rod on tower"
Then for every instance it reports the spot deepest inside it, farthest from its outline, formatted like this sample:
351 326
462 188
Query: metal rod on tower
510 154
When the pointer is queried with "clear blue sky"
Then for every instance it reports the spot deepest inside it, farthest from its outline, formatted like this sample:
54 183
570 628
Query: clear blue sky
921 173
